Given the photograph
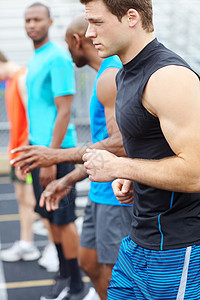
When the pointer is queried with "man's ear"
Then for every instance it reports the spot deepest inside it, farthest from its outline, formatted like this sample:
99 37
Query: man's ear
50 22
77 40
133 17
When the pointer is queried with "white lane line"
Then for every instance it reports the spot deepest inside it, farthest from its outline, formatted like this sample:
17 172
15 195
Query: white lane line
5 180
7 196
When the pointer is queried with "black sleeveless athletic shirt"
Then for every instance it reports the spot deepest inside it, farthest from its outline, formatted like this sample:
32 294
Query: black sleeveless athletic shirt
162 219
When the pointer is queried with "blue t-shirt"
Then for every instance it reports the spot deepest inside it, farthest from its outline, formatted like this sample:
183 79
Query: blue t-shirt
50 75
101 192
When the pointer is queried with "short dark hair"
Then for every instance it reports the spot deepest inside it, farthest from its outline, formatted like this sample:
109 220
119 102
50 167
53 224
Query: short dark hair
41 4
120 7
3 58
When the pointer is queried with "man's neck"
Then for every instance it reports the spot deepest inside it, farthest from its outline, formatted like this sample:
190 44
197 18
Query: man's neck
136 47
95 60
37 45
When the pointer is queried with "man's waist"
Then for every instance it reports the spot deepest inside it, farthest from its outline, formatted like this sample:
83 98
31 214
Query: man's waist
162 233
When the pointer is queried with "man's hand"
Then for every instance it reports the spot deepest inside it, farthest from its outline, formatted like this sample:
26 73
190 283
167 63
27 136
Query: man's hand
47 175
33 157
123 190
100 165
54 192
20 174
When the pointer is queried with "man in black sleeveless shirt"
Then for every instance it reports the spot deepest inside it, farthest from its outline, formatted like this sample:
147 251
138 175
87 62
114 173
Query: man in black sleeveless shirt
157 110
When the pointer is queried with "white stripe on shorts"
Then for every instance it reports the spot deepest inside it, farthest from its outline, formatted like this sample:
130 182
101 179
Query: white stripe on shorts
182 287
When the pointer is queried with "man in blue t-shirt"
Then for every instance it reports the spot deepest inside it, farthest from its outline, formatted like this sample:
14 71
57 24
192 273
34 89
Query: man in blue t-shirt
106 221
50 88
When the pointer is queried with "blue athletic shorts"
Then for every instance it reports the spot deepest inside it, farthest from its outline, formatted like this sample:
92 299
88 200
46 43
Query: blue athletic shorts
155 275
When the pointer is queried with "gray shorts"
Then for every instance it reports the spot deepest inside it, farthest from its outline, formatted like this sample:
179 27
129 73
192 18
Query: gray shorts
104 227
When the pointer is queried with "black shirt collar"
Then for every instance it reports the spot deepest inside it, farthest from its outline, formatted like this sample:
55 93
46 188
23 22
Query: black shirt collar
141 55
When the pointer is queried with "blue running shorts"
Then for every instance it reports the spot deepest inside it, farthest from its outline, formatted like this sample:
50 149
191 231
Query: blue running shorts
155 275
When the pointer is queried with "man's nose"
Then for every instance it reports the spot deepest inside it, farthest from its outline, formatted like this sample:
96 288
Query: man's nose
90 33
31 24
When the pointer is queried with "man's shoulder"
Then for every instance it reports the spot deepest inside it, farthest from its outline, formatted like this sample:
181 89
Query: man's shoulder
58 51
112 62
56 47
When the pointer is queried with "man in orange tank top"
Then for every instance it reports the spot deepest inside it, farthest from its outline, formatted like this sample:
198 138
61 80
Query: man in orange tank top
15 96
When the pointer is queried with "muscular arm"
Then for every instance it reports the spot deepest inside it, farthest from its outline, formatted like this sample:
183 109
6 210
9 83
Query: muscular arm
42 156
178 110
106 93
63 105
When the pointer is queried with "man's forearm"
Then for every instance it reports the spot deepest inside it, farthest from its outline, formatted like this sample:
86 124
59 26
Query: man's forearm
41 156
78 174
112 144
170 173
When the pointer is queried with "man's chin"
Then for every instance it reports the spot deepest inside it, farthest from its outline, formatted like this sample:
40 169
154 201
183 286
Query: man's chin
36 41
103 54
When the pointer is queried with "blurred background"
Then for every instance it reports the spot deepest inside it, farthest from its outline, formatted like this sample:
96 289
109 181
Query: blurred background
176 26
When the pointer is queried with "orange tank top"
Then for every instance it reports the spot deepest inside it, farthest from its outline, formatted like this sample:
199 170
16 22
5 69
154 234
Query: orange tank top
16 113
